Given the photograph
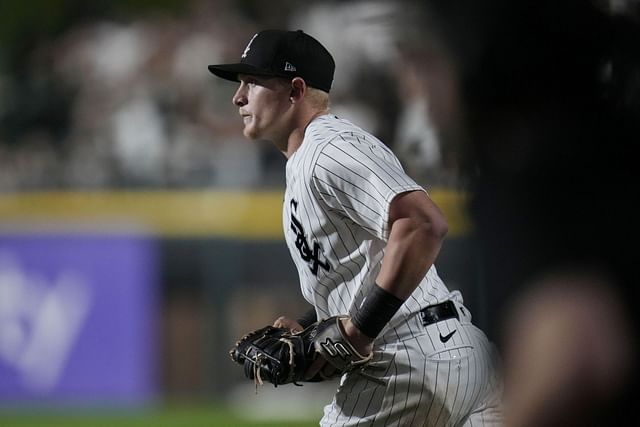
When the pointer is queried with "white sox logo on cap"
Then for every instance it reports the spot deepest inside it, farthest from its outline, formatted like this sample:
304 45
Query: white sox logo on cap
248 48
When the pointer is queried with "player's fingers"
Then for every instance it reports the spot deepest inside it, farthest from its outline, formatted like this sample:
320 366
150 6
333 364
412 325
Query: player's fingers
285 322
281 322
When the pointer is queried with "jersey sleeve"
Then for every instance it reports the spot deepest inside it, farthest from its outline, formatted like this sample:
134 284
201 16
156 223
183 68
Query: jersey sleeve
359 179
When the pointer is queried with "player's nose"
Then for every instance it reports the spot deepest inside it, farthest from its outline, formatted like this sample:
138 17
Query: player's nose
240 97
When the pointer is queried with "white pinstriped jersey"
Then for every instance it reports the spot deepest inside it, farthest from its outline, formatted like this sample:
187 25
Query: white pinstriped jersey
340 183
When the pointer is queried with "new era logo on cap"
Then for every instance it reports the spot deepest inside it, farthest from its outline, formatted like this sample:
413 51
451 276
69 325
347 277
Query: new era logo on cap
285 54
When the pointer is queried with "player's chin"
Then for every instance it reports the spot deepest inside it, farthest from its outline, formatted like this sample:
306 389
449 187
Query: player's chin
251 134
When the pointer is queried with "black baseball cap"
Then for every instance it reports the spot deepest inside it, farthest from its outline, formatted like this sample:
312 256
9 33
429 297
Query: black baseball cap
285 54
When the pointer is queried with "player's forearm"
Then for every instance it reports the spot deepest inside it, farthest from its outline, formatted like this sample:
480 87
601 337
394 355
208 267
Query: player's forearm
417 230
412 248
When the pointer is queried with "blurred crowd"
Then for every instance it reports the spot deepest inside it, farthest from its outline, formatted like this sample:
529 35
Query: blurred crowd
128 102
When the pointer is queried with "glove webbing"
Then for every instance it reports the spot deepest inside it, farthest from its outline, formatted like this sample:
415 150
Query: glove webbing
257 365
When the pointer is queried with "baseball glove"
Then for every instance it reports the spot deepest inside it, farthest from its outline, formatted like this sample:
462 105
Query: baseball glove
275 354
281 357
330 342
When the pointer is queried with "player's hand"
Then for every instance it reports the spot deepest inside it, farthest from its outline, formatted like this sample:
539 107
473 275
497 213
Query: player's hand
286 322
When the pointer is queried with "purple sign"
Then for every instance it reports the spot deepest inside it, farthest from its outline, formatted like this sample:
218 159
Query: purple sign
77 317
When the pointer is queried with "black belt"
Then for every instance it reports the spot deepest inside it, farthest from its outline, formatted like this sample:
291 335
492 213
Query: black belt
437 312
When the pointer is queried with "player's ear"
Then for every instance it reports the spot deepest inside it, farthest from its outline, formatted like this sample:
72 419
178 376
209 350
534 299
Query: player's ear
298 89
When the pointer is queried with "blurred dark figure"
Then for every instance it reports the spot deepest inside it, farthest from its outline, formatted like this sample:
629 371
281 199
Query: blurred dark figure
547 110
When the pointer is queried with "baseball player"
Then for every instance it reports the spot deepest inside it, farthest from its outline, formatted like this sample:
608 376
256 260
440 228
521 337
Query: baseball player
364 237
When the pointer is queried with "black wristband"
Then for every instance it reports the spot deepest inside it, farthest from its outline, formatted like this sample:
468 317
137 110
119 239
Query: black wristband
377 310
308 318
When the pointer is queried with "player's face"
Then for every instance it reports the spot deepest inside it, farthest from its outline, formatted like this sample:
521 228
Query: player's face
263 103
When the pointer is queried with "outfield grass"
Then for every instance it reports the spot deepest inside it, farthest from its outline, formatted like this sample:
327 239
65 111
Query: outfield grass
169 416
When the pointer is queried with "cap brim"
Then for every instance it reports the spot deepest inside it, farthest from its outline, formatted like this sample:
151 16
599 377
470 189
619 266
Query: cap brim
231 71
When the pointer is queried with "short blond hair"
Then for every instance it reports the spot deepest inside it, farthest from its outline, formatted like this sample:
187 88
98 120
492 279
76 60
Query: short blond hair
318 98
